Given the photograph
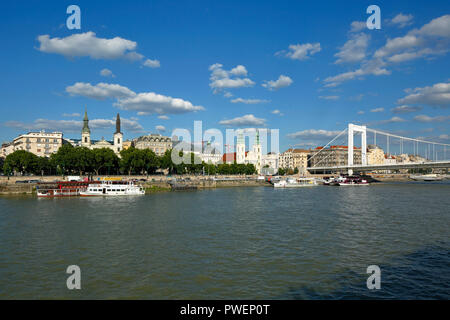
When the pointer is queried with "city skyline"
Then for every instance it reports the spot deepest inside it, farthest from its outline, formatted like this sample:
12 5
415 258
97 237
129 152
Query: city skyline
164 67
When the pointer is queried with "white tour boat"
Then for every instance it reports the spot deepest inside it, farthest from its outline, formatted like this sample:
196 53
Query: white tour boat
112 188
426 177
350 181
296 183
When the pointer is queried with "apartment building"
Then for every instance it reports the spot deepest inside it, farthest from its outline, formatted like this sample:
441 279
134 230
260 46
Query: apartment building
155 142
41 143
333 156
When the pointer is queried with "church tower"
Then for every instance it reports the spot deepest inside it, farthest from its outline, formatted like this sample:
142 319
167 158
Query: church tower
258 152
118 137
240 148
85 132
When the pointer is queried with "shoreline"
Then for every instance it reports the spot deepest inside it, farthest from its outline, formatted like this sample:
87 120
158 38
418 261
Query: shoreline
160 184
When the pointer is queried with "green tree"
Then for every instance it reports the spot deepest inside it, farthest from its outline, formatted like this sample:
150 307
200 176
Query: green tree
2 162
104 161
21 161
45 166
281 171
84 160
151 161
250 169
132 160
65 159
195 165
165 161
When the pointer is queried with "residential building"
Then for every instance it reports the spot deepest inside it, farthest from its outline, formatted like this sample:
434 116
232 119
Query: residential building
127 144
7 148
286 159
375 155
333 156
211 155
269 163
41 143
300 160
157 143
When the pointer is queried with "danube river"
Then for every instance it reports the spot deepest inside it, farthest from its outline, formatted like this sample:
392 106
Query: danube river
233 243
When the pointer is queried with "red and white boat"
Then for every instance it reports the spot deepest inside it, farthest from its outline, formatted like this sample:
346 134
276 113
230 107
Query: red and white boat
350 181
62 188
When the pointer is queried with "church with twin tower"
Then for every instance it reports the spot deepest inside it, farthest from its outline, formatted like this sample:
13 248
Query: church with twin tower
253 156
117 144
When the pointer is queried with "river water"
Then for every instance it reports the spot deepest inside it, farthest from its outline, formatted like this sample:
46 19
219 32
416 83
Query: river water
233 243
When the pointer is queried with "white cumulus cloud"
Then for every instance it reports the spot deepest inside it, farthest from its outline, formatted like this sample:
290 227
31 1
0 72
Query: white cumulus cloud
402 20
89 45
223 79
405 109
152 63
100 91
249 101
160 128
281 82
301 51
106 73
246 120
151 103
354 49
435 95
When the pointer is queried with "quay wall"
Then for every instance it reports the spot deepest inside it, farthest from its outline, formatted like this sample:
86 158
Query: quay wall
158 183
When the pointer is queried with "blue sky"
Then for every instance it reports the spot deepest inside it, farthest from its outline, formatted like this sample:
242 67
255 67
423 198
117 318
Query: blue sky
306 68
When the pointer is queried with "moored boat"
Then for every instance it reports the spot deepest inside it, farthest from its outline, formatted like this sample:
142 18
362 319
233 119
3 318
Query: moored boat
61 189
426 177
112 188
296 183
350 181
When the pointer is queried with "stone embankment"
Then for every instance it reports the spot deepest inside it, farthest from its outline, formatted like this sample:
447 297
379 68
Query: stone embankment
151 184
160 183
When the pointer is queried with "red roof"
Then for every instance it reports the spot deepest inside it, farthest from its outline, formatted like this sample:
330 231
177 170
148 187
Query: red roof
230 157
337 147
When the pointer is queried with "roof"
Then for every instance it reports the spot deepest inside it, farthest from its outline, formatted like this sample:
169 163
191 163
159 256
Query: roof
230 157
301 151
336 147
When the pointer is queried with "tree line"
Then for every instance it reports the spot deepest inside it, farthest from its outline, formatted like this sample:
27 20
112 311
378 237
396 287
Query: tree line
84 161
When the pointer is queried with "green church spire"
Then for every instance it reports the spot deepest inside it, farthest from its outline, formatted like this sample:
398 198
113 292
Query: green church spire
86 123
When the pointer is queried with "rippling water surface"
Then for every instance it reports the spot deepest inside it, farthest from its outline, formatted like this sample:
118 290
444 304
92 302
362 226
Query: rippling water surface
236 243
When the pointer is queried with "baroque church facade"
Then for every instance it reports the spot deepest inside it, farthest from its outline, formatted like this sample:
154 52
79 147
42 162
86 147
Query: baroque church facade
117 144
253 156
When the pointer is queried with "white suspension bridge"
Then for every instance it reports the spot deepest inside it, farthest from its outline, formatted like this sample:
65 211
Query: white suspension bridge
427 154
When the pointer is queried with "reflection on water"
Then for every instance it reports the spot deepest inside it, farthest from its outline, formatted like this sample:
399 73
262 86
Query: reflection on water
246 243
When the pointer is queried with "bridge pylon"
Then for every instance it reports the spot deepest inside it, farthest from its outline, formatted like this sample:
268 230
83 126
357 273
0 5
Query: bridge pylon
351 129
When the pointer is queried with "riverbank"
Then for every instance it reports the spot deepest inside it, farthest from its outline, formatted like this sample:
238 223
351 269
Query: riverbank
153 184
156 184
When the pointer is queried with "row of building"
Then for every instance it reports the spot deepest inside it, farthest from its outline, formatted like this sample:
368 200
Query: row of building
44 144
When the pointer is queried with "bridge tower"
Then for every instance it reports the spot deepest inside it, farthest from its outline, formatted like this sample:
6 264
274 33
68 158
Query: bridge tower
351 129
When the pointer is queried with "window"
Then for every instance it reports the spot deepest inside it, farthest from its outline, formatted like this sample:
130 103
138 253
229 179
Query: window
118 141
85 139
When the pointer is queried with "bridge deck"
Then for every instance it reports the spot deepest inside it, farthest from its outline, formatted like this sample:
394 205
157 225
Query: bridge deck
359 167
